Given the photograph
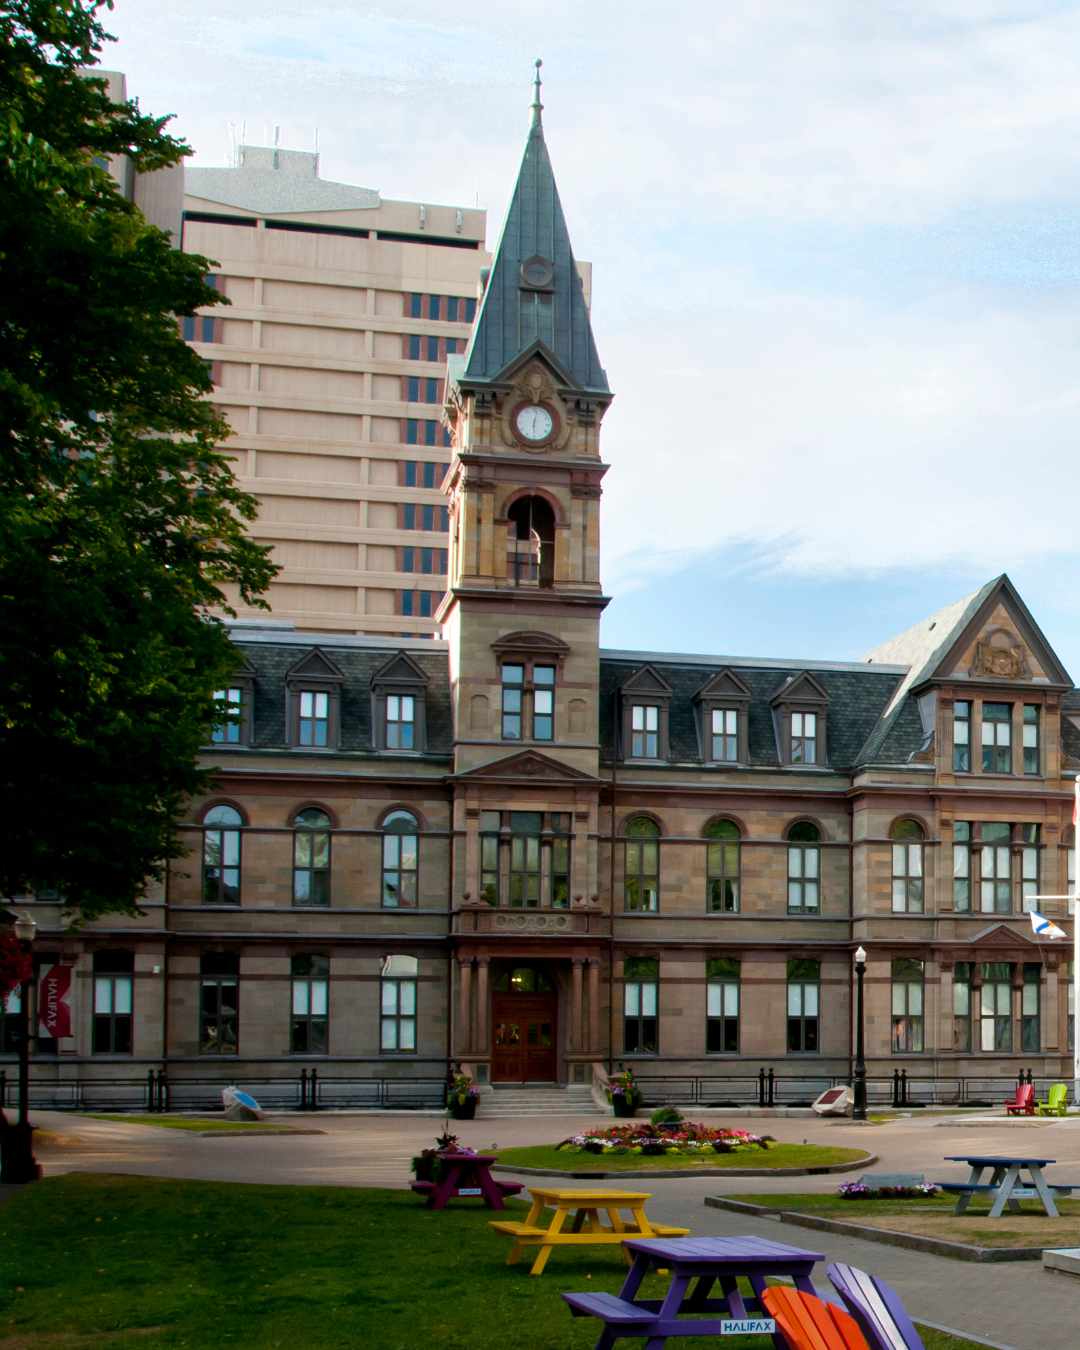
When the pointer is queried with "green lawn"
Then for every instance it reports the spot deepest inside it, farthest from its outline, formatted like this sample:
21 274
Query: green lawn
207 1125
140 1264
776 1155
835 1206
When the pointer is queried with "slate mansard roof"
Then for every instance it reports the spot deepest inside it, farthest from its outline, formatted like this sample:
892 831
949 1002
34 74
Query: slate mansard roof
857 697
359 661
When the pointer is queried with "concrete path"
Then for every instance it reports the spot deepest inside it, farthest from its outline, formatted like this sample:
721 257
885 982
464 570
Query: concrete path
1016 1305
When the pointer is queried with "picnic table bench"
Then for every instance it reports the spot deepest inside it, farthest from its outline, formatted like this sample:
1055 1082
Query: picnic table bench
584 1209
466 1174
700 1262
1007 1184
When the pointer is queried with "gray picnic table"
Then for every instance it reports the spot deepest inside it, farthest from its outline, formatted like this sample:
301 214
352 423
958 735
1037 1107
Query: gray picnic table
1007 1185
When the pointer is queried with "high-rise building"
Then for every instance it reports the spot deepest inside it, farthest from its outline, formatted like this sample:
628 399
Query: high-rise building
329 363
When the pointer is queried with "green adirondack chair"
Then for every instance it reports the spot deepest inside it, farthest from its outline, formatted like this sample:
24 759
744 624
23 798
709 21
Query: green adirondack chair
1057 1102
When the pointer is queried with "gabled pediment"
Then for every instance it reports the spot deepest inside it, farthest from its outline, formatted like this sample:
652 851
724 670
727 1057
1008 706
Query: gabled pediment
1001 644
529 764
316 665
646 680
1000 935
536 351
530 644
400 669
244 671
801 688
725 684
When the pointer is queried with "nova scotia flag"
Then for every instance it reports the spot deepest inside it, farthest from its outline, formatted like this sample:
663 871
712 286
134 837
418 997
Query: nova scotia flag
1044 927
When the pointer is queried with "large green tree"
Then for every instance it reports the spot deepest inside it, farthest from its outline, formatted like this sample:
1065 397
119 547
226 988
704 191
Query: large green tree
120 520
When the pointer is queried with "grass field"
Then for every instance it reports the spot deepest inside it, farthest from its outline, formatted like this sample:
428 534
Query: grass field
776 1155
125 1263
935 1218
198 1124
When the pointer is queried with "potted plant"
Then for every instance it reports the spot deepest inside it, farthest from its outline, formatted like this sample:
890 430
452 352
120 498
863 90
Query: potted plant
624 1093
462 1096
427 1164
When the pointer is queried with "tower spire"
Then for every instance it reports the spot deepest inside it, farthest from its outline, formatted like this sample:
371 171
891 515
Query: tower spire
537 106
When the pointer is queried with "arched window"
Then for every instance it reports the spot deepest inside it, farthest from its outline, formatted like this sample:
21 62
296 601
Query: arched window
641 876
221 855
400 860
722 867
804 868
907 867
311 857
531 542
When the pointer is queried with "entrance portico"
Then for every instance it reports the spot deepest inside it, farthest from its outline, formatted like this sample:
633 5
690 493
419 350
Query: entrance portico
528 1017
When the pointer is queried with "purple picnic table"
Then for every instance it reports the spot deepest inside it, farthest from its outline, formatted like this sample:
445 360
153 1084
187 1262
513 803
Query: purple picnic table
466 1174
701 1261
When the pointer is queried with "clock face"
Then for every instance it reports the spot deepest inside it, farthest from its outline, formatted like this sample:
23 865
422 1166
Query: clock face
534 422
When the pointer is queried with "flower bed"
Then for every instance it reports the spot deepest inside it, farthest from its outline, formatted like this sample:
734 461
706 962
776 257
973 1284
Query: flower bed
683 1138
858 1190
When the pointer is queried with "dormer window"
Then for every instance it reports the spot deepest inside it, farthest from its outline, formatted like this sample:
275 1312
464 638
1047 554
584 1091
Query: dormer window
233 708
644 731
723 705
314 725
800 707
399 705
313 692
646 697
803 738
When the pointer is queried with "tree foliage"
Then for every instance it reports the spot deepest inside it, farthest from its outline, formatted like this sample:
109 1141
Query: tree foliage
120 520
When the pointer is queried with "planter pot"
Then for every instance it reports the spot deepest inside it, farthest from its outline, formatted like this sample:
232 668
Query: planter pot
465 1110
623 1106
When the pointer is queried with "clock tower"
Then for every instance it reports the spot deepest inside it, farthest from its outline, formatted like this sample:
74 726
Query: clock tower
525 403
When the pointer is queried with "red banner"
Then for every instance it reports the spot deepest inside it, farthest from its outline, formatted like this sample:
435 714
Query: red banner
54 1010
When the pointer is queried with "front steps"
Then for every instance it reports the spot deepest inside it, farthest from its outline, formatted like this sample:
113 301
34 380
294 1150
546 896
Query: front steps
540 1100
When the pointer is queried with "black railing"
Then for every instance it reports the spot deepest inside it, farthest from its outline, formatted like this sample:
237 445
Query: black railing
315 1091
157 1092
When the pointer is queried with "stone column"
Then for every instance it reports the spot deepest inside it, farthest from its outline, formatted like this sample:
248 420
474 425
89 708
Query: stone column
579 859
483 1040
471 880
574 1040
464 1036
594 1007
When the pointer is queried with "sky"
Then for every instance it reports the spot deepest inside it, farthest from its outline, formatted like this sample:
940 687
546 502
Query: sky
836 277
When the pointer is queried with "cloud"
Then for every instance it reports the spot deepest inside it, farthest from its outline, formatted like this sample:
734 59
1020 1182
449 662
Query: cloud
835 272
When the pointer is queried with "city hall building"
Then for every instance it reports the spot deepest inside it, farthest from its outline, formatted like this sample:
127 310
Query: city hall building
511 848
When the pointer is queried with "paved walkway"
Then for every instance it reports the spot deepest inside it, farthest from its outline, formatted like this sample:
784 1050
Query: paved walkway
1016 1305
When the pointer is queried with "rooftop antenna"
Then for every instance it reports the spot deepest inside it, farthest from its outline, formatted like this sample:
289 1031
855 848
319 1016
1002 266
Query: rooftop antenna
537 106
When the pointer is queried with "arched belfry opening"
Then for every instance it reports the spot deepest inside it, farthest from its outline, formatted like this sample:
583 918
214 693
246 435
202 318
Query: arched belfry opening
531 544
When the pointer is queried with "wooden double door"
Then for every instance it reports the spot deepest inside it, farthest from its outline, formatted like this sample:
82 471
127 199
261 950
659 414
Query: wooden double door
524 1046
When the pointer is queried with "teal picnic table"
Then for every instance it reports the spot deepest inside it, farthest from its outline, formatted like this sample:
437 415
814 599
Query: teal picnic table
1011 1180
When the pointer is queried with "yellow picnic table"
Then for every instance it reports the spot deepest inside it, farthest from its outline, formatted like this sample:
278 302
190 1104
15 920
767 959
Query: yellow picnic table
586 1227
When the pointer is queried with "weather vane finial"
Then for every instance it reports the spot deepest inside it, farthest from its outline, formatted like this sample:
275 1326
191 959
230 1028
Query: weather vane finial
537 106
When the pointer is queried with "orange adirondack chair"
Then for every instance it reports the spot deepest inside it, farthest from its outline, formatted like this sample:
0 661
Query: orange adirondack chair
809 1323
1022 1102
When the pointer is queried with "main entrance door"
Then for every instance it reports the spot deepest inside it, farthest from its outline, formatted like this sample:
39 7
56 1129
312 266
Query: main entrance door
524 1012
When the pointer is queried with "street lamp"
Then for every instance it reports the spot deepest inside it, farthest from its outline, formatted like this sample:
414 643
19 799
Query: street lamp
18 1163
858 1080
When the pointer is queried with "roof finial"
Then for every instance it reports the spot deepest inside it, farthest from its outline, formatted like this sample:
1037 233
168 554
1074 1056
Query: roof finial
537 106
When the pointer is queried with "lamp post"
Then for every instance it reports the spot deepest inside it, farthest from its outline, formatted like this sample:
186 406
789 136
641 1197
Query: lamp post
18 1162
858 1078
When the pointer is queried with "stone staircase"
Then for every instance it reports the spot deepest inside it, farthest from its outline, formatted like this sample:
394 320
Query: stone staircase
541 1100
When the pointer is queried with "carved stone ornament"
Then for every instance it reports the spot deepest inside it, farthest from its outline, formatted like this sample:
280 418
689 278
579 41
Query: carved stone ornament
534 385
1000 656
531 923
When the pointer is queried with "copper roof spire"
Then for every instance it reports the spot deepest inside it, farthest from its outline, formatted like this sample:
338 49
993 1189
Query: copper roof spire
537 106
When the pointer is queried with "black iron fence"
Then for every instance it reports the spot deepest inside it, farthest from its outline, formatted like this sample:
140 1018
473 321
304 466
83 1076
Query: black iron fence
769 1088
156 1091
311 1090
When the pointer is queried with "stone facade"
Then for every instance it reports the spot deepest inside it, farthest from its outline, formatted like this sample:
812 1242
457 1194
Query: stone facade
509 848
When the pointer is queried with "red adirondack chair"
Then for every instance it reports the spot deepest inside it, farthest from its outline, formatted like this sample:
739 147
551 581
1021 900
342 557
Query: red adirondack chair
1022 1102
